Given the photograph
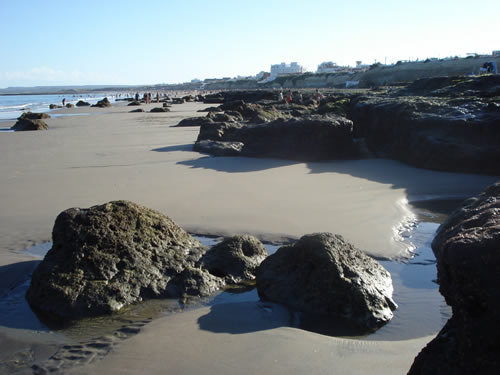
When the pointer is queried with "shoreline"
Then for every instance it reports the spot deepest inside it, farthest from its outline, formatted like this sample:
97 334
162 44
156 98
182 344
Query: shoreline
111 154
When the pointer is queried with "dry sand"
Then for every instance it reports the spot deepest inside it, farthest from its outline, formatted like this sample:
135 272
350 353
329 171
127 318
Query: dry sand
110 154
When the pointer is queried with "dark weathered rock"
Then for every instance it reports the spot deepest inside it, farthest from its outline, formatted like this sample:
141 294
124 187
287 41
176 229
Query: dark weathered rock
177 101
235 259
160 109
33 116
112 255
54 106
447 130
323 275
309 138
104 103
467 249
218 148
194 121
70 105
137 110
24 124
82 103
134 103
224 117
211 109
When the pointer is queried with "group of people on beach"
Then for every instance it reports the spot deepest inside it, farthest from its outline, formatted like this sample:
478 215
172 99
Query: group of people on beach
289 98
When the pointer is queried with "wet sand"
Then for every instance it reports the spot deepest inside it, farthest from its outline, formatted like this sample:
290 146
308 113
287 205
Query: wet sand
109 154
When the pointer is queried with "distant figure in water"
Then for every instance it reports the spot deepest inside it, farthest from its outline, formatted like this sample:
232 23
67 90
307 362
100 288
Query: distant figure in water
136 96
280 97
64 101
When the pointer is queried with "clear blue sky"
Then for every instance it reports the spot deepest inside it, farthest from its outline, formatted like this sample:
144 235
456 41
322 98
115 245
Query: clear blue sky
145 42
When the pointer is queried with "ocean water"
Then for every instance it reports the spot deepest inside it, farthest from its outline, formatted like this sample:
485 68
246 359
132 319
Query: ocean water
13 106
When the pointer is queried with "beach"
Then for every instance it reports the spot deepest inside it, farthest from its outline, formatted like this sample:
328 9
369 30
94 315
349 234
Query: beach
90 156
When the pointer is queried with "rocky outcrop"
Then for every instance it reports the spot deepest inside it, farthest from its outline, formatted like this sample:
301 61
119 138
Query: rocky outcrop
34 116
218 148
70 105
309 138
467 249
137 110
104 103
54 106
134 103
449 129
324 276
109 256
194 121
82 103
25 124
235 259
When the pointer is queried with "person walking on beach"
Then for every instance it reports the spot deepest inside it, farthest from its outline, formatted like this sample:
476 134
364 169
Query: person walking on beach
289 96
64 101
280 96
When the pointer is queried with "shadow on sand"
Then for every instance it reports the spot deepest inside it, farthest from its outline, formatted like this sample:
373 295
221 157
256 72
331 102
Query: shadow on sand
247 317
419 184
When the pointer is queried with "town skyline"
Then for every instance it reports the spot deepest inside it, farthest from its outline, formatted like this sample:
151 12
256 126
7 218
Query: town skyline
66 44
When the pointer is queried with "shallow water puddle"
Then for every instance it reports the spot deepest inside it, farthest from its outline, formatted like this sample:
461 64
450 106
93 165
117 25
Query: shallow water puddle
422 310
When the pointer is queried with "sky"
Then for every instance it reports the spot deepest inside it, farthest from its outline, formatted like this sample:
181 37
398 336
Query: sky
136 42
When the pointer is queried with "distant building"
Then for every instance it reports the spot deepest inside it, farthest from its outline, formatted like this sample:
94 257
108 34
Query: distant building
328 67
262 75
496 53
283 68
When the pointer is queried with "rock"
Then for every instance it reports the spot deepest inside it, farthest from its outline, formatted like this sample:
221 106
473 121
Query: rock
219 131
217 98
33 116
188 98
211 109
467 249
194 121
70 105
109 256
82 103
133 103
235 259
160 109
137 110
218 148
309 138
54 106
230 116
324 276
177 101
450 129
103 103
24 124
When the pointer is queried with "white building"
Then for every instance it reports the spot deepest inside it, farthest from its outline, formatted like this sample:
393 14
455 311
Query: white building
283 68
328 67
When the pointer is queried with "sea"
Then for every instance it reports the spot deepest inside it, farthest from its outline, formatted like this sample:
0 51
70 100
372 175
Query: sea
13 106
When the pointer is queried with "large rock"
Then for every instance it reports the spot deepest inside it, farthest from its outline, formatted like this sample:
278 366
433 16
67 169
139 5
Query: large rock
109 256
235 259
218 148
451 128
194 121
467 249
309 138
324 276
104 103
82 103
24 124
33 116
